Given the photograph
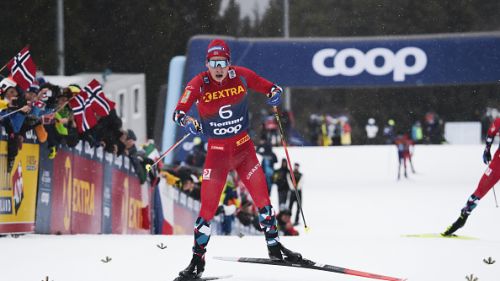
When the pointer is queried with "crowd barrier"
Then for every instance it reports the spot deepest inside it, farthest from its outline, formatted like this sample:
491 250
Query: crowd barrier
81 190
85 190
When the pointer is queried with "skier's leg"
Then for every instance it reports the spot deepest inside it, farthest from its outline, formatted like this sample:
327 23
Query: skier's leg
252 176
201 237
489 178
214 178
487 181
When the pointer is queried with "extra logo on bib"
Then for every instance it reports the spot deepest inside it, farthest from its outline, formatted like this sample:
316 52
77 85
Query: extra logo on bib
234 91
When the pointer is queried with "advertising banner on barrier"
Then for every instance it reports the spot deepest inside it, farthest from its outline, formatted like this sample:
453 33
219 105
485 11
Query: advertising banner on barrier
83 190
86 195
441 59
126 199
18 189
62 180
77 191
185 213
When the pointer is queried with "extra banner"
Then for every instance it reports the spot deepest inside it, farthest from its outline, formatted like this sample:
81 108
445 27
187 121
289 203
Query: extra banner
84 190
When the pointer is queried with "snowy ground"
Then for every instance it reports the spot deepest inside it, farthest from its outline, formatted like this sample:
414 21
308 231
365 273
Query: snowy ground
357 211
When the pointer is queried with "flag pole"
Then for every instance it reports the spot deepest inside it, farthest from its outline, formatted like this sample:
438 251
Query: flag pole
10 113
5 65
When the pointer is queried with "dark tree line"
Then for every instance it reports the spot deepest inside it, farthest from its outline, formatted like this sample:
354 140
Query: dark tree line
142 36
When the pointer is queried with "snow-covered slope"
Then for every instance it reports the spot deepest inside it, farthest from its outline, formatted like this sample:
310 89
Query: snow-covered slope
357 212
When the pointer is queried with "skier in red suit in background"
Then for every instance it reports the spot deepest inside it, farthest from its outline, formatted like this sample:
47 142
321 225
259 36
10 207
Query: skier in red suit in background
222 101
487 181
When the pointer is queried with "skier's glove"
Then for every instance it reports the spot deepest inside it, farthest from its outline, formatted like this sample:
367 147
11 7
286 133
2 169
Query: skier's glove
486 156
274 96
487 153
178 117
190 124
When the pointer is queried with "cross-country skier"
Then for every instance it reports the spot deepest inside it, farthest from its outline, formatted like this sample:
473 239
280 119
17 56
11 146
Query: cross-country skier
222 101
405 150
488 180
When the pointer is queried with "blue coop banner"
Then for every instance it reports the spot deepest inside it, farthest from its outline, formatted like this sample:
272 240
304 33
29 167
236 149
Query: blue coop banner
362 61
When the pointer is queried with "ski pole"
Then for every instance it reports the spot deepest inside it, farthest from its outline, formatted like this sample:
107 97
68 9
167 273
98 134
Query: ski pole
495 195
292 175
149 166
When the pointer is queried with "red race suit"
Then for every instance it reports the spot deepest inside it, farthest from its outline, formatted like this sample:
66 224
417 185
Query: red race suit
492 173
223 110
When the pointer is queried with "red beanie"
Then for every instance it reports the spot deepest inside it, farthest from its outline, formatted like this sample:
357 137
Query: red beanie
218 48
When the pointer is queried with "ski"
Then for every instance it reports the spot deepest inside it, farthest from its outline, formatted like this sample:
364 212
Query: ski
311 265
437 235
209 278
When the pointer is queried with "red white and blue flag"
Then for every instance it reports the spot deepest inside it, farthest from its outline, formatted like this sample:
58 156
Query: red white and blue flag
23 68
97 101
84 117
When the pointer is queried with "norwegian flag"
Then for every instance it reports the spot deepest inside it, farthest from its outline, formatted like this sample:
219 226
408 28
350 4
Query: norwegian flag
83 115
23 69
97 100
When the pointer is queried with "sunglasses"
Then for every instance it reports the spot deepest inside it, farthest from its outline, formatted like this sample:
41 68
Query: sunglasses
217 63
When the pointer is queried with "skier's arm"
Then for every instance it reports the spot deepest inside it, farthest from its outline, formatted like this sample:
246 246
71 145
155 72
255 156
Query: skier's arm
261 85
254 81
492 132
190 95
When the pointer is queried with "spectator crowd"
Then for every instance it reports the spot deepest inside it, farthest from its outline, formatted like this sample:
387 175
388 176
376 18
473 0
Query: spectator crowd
63 116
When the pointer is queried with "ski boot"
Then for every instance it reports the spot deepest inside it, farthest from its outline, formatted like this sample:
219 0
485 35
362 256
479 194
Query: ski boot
194 270
278 252
456 225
